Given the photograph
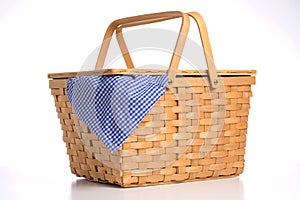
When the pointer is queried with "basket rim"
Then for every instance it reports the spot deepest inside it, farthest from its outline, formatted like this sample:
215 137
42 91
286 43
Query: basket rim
150 72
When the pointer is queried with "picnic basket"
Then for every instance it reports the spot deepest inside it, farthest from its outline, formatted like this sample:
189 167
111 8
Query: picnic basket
196 131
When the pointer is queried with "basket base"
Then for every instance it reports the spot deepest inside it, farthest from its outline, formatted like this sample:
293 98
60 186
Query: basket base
164 183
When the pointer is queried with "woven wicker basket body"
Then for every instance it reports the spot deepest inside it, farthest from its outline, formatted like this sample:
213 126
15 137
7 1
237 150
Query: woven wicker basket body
192 133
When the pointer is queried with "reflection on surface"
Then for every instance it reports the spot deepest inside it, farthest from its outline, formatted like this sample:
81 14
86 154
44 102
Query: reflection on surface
231 188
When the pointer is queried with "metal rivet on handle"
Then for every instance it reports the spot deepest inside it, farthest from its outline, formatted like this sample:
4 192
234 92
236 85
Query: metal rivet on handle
216 81
169 81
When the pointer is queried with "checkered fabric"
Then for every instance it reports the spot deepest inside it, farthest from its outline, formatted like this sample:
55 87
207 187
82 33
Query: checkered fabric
113 106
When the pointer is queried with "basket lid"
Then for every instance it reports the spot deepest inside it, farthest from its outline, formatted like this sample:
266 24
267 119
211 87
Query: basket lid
150 72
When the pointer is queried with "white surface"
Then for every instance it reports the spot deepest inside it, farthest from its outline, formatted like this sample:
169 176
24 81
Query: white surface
39 37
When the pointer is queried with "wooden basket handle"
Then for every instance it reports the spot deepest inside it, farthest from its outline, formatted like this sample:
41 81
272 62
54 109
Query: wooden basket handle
146 19
212 72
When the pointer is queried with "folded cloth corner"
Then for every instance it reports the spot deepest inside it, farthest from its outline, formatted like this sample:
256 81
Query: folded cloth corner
113 106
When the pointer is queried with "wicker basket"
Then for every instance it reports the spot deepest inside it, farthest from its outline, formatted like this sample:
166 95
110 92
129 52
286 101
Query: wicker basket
195 131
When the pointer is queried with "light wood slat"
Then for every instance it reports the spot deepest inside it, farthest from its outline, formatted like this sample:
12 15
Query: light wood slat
150 72
197 82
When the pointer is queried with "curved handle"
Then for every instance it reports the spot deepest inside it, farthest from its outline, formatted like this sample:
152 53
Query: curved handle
146 19
122 42
212 72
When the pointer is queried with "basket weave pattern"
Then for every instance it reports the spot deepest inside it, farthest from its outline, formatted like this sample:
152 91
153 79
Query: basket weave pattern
194 134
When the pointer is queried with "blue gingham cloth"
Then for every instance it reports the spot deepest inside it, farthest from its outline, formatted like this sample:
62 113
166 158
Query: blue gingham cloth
113 106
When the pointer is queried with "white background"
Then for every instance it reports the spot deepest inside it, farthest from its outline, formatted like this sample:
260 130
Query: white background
39 37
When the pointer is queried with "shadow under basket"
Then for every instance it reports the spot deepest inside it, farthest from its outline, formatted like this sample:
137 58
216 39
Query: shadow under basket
192 133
